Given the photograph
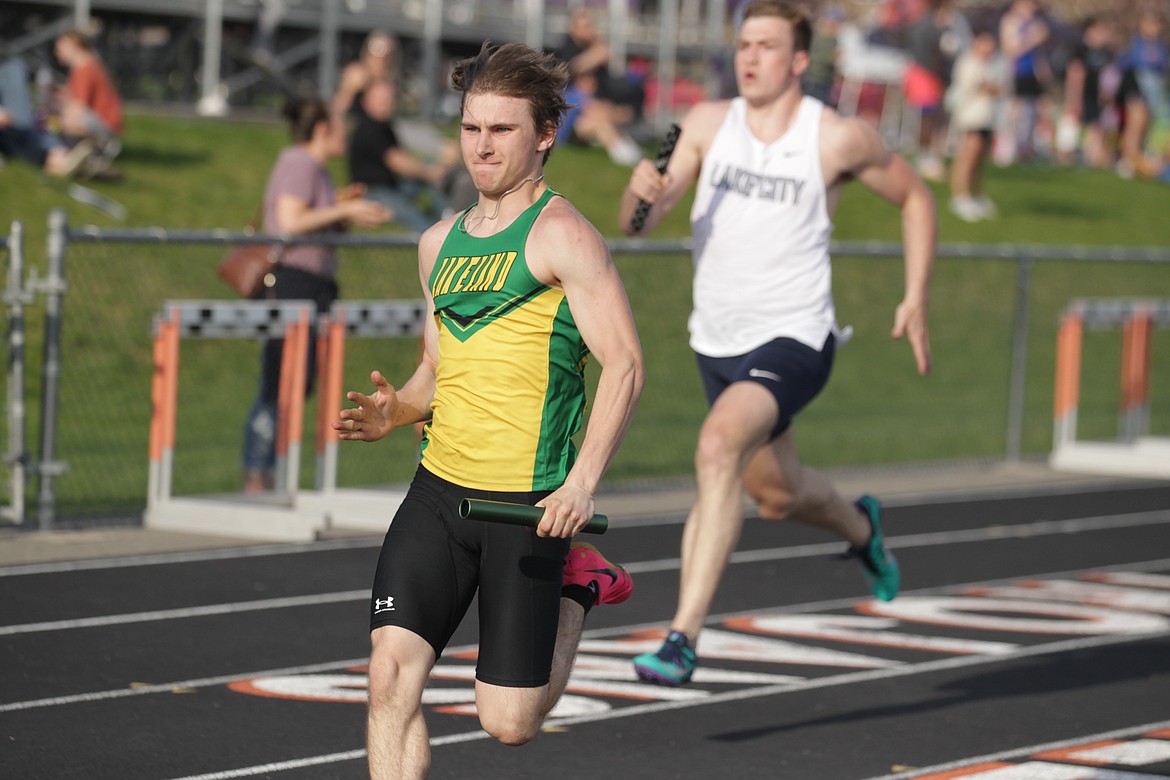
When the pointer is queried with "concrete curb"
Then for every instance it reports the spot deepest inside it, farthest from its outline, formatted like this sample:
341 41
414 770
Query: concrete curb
668 501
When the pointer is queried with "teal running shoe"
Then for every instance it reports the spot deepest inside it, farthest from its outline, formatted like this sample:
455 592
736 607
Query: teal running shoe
878 563
672 665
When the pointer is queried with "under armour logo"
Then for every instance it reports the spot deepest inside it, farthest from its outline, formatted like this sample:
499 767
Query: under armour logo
384 605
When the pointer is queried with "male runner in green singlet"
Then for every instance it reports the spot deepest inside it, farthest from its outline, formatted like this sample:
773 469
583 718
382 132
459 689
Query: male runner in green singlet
521 290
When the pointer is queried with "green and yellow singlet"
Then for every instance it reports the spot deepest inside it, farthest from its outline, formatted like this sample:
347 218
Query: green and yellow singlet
510 389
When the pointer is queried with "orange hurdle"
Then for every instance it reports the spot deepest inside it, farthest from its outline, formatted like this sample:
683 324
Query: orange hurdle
330 365
290 403
191 318
164 409
1066 398
352 319
1134 414
1133 451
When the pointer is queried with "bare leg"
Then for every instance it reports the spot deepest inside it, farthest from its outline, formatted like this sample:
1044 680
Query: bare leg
1133 137
73 120
397 741
962 166
568 637
785 489
1096 150
256 481
598 122
514 715
737 425
978 154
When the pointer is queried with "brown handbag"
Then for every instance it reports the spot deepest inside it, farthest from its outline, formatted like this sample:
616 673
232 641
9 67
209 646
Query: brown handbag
247 267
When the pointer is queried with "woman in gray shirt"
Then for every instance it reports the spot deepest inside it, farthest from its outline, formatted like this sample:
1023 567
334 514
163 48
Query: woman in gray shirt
300 199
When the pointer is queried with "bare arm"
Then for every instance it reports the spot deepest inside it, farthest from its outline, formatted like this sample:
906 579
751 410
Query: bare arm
406 165
1017 37
388 407
1010 39
354 79
665 190
852 148
1074 85
295 216
596 56
567 252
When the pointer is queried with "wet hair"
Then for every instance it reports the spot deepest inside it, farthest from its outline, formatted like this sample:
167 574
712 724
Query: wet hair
517 71
801 24
303 114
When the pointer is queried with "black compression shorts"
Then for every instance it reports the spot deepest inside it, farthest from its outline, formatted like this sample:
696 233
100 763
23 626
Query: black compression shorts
792 372
433 562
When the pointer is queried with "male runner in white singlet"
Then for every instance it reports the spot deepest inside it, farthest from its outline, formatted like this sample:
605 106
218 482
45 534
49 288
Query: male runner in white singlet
769 166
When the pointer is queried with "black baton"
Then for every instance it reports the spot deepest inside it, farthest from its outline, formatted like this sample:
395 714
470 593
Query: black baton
518 514
660 162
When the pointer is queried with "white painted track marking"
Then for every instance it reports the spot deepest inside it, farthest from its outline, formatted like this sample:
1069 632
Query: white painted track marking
1075 525
1111 522
850 678
186 612
144 690
1025 751
973 535
281 766
194 556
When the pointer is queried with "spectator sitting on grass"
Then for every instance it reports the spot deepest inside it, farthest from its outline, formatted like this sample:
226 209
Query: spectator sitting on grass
392 175
1145 66
20 135
91 108
600 105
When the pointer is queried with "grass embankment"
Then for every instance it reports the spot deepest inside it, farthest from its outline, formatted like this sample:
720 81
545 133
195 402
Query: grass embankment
188 173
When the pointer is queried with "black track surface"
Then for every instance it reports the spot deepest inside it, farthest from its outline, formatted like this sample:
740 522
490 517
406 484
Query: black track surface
122 669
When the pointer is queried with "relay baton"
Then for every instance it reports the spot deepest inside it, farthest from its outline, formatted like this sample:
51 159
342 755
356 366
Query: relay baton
518 514
660 162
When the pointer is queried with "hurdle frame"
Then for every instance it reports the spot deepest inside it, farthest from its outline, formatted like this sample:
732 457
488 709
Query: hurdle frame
274 515
46 467
368 508
289 512
1134 452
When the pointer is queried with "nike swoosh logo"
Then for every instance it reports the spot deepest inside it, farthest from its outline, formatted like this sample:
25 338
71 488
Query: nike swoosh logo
760 373
608 572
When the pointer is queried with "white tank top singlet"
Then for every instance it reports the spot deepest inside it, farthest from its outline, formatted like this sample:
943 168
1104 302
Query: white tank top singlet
761 232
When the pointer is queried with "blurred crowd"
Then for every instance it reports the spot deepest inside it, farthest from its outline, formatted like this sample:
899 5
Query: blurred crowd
1014 82
67 128
955 84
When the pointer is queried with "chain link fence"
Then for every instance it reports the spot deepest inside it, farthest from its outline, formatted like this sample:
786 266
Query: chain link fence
993 332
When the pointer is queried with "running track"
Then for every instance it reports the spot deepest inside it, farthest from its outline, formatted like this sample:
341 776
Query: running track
1031 642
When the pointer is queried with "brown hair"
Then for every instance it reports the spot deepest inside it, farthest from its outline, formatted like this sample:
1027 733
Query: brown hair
515 70
77 38
303 114
801 25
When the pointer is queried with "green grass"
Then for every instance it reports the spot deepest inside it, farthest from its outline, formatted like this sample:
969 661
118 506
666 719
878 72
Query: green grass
189 173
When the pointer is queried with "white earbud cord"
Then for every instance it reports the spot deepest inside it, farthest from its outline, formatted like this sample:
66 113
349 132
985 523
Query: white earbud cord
499 201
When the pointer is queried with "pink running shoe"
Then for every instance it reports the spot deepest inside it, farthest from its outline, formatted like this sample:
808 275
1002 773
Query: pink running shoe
586 565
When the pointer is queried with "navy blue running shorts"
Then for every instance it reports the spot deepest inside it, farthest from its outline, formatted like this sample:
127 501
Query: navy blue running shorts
794 373
433 562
